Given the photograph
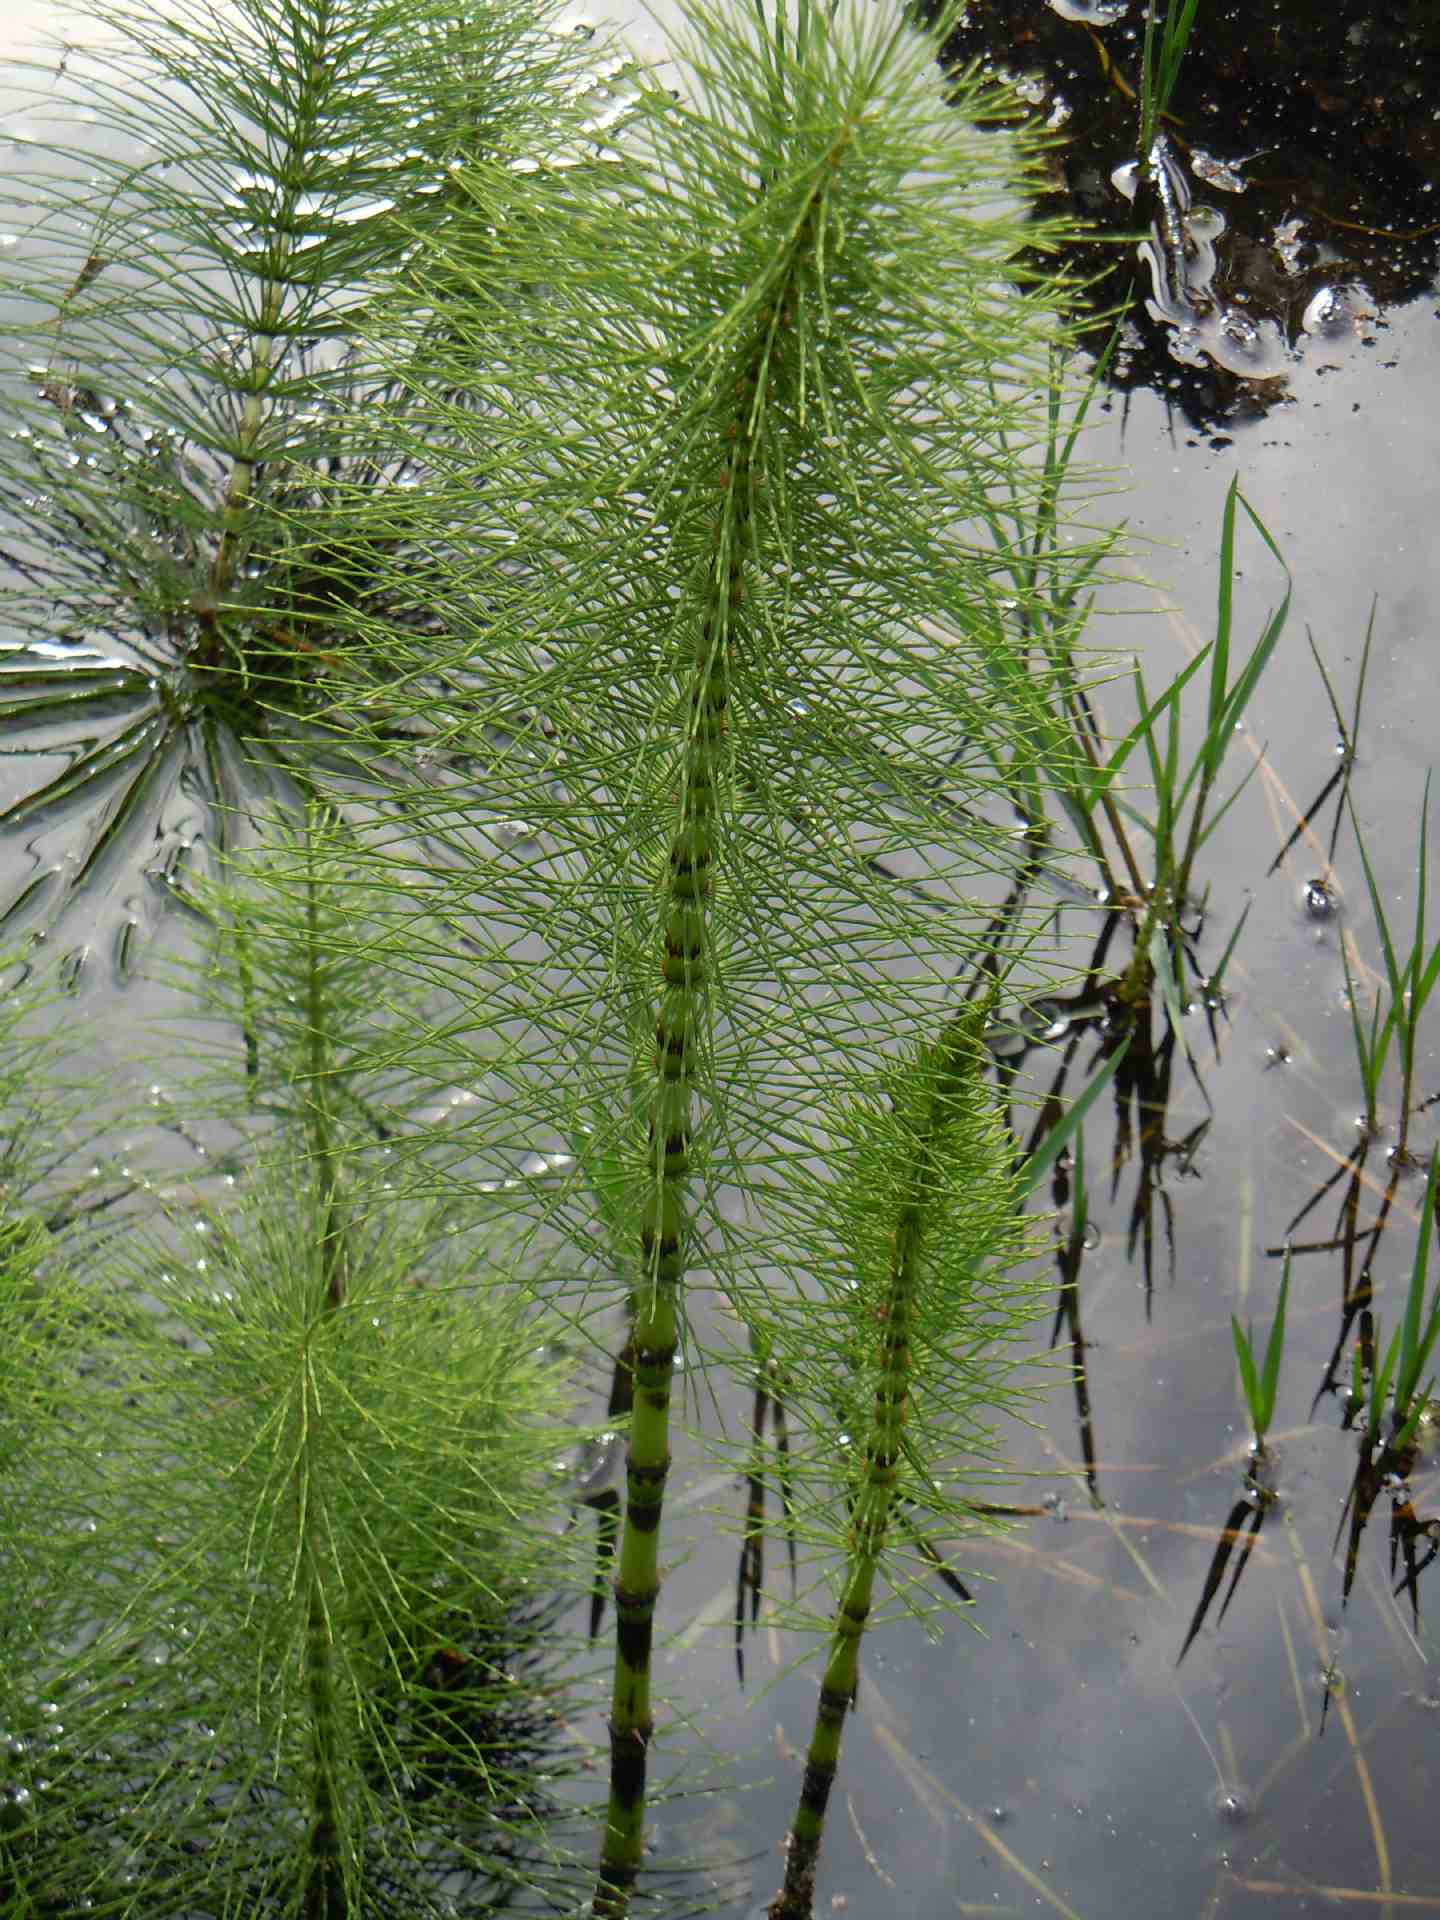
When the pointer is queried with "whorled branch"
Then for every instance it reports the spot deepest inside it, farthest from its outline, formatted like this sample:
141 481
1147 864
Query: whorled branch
949 1075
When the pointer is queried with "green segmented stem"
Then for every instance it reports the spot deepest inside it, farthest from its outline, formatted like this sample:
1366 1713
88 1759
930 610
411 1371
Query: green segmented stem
325 1894
681 1031
952 1068
681 1041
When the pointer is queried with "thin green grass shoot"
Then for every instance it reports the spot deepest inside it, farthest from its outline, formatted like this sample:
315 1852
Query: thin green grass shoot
1417 1340
1260 1384
1409 982
1160 64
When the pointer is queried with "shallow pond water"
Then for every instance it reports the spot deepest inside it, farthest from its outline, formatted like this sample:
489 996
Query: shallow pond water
1068 1760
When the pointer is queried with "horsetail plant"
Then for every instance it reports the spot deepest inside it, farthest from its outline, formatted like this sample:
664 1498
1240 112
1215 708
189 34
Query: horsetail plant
293 1559
723 635
641 540
925 1246
207 198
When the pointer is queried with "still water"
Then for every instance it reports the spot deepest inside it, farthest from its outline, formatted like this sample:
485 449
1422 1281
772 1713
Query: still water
1046 1751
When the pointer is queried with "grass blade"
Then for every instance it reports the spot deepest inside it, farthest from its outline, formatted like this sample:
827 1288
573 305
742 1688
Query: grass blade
1275 1347
1415 1348
1245 1360
1065 1129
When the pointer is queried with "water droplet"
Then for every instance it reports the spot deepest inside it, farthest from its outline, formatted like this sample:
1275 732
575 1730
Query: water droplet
1233 1804
1319 900
1336 311
512 833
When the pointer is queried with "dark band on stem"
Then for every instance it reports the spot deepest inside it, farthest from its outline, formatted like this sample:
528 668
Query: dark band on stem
669 1247
634 1632
648 1477
815 1788
628 1751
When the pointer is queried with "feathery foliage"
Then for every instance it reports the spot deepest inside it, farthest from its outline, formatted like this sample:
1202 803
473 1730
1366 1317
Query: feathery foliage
210 196
292 1559
725 635
633 545
926 1247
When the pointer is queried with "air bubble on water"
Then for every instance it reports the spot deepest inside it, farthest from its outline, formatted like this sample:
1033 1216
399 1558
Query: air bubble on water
1005 1042
1233 1804
1335 311
1091 13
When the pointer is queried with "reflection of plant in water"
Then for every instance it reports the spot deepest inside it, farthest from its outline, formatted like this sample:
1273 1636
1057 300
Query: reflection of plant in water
1260 1385
1146 863
199 390
1396 1372
1387 1045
